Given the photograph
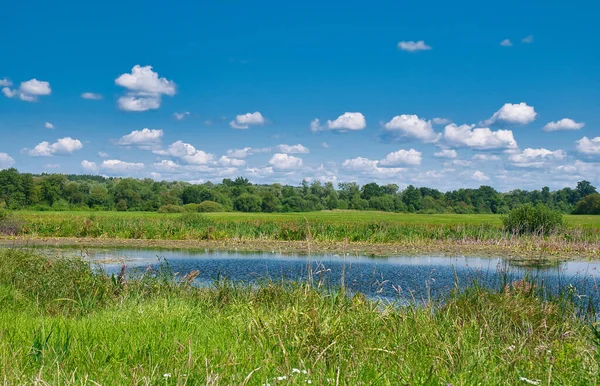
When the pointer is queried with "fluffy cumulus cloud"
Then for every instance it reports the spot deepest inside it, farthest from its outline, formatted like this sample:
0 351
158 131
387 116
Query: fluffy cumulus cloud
115 166
145 138
411 126
48 125
91 96
231 162
563 124
292 149
536 158
4 82
486 157
6 161
283 161
349 121
315 125
144 89
402 157
446 153
186 153
412 46
479 138
479 176
589 146
506 43
513 114
244 121
63 146
28 91
89 166
370 168
246 152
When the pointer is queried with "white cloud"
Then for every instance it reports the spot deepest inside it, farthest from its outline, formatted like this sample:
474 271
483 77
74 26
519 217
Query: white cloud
8 92
246 152
506 43
347 121
260 172
479 176
102 154
536 158
118 166
411 126
186 153
285 162
325 145
402 157
459 162
412 46
138 103
441 121
589 146
89 166
180 116
244 121
91 95
479 138
28 91
527 39
5 82
48 125
370 168
142 138
6 161
446 153
563 124
292 149
52 166
315 125
486 157
145 89
513 114
62 146
231 162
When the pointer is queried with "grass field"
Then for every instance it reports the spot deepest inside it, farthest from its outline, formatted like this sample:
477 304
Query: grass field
62 324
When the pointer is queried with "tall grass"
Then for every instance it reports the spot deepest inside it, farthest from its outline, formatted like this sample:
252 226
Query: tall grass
61 323
193 226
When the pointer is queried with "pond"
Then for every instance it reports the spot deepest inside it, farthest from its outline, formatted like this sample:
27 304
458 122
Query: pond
398 278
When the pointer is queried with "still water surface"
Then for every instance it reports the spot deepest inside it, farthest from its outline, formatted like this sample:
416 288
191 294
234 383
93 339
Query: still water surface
399 278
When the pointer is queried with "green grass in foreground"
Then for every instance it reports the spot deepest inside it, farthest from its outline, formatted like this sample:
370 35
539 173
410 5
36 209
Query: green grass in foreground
335 226
62 324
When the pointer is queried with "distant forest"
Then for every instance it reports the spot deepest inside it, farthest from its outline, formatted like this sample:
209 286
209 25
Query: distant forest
84 192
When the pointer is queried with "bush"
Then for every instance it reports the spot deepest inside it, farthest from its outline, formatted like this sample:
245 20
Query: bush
121 206
9 224
196 220
532 219
589 205
170 208
210 206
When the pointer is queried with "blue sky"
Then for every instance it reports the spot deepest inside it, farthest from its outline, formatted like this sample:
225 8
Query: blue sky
431 93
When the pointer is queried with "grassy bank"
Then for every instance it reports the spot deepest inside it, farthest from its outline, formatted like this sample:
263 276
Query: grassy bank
362 232
62 324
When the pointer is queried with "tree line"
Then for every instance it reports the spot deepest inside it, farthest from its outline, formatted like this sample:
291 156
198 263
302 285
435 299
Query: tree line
84 192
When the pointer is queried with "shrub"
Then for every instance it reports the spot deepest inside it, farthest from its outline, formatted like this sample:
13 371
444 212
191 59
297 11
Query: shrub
170 208
10 225
532 219
589 205
210 206
195 220
121 206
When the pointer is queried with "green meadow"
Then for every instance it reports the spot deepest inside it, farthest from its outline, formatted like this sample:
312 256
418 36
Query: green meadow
61 323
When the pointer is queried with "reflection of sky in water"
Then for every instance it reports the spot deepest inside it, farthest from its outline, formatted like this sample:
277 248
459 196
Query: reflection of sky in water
400 277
